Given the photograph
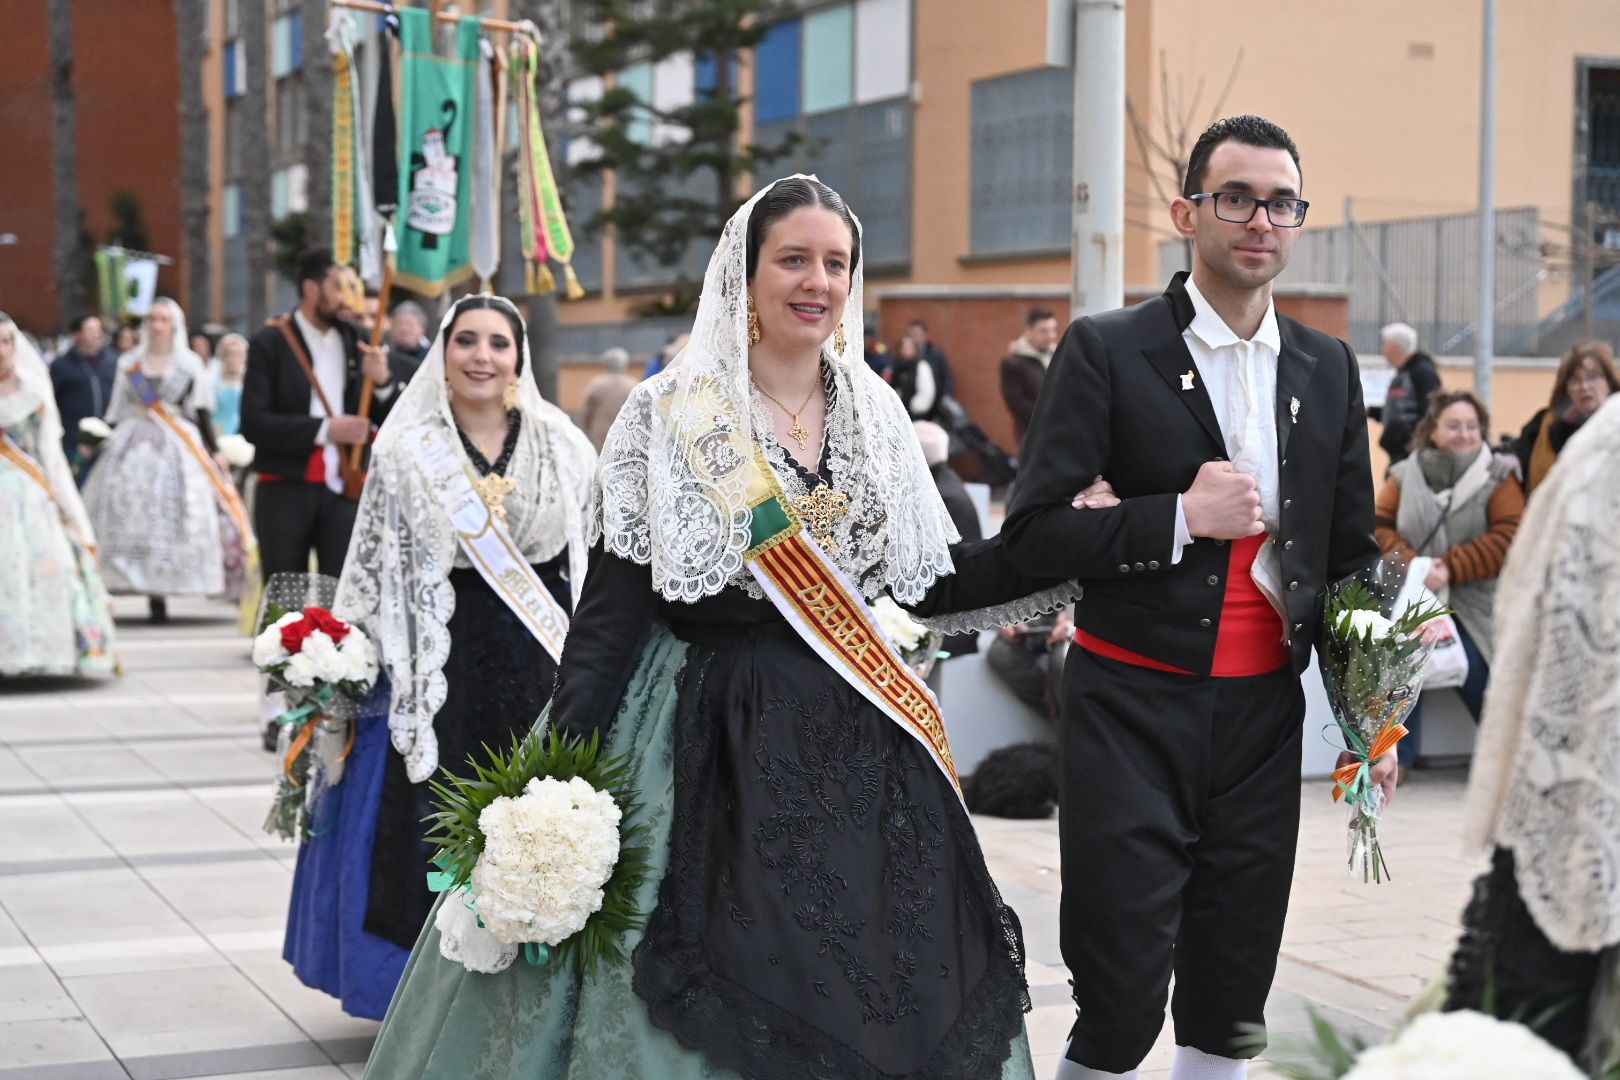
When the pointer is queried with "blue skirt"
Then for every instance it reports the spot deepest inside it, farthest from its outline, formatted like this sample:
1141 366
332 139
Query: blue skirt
326 942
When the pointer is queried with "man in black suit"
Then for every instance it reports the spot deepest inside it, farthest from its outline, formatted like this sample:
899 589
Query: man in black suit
1235 440
82 379
301 430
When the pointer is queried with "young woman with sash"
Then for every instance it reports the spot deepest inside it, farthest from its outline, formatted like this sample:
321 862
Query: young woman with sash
54 617
169 520
467 557
819 905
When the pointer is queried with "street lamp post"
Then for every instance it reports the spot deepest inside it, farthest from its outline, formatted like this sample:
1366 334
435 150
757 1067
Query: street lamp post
1097 242
1485 338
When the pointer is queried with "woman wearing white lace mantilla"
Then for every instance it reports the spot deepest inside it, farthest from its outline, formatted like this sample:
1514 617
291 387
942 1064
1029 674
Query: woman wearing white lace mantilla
818 904
54 617
467 556
162 505
1541 936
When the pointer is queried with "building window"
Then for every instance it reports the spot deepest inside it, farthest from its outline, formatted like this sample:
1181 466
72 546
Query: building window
235 70
1023 162
638 78
828 74
287 44
233 211
776 74
882 50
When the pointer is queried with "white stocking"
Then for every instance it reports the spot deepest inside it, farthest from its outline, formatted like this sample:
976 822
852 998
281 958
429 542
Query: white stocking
1191 1064
1073 1070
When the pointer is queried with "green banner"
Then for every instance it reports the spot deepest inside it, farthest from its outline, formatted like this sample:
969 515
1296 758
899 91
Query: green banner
111 289
436 124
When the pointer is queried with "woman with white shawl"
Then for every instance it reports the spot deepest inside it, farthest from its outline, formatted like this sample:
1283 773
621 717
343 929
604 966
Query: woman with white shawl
1541 936
54 616
160 502
470 443
818 905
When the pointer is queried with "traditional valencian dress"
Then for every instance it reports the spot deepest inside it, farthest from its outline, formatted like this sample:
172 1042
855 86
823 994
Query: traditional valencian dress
169 523
463 668
54 617
818 904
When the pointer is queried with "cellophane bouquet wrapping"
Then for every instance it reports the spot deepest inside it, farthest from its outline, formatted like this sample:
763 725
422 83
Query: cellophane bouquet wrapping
1372 657
322 666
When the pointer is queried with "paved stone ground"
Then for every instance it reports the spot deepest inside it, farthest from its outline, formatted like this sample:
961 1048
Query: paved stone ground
141 905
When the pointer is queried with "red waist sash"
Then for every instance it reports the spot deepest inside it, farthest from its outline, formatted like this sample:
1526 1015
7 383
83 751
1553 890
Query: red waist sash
1250 638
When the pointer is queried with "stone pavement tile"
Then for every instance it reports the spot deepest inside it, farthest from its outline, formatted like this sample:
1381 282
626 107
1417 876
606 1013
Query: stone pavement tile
150 822
186 1011
31 1045
45 827
225 897
316 1072
21 723
317 1014
32 992
87 906
99 764
14 773
142 722
131 954
198 762
249 946
244 806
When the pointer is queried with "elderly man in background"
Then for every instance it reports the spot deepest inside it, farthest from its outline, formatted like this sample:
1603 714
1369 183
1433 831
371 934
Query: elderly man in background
407 340
605 395
1408 396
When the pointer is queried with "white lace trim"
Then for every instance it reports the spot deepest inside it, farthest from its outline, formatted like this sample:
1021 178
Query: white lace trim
1546 775
1023 609
395 580
692 529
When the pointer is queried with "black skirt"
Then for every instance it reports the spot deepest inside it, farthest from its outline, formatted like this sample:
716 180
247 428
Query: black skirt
497 681
827 910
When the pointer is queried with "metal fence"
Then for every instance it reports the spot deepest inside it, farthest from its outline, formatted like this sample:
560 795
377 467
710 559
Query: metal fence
1422 271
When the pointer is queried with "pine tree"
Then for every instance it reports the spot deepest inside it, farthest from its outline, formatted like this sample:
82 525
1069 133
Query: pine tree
672 193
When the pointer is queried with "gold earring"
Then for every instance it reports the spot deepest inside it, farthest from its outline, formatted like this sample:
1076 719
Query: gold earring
509 396
839 341
754 334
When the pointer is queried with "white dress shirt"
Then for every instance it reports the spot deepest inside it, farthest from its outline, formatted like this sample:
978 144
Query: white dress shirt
328 358
1240 377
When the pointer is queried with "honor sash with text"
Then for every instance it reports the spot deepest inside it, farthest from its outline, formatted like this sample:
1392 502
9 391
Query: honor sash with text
490 549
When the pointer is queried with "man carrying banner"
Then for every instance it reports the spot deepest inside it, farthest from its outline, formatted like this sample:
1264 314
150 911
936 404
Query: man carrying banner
300 400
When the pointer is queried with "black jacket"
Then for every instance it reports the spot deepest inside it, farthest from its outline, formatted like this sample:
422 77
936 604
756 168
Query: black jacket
83 387
276 397
1405 403
1113 405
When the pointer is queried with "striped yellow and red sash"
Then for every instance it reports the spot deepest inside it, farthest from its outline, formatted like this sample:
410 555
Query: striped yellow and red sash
16 455
224 491
826 609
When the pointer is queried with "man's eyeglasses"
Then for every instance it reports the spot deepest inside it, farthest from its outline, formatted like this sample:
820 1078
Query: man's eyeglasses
1239 209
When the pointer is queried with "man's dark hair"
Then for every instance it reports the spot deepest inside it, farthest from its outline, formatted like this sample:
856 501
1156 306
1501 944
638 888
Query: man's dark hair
1036 315
920 323
79 320
787 196
1248 130
313 263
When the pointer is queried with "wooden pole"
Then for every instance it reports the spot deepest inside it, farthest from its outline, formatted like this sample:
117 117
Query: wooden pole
376 341
503 26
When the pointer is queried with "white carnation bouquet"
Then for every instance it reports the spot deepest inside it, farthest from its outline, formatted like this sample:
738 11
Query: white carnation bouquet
918 646
1463 1046
539 853
322 666
1372 656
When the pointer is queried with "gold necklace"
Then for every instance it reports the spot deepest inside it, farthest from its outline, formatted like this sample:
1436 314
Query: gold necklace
798 432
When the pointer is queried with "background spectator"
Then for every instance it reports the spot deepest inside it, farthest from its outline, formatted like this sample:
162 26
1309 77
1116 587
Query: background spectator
125 338
1444 502
605 396
932 355
661 359
232 356
1407 399
1023 369
1584 381
82 379
407 340
877 353
912 379
964 515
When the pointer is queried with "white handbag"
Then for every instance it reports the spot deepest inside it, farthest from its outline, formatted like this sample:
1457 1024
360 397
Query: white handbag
1447 668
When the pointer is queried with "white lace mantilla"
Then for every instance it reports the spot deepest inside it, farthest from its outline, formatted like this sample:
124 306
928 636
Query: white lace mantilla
396 578
691 525
1546 777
